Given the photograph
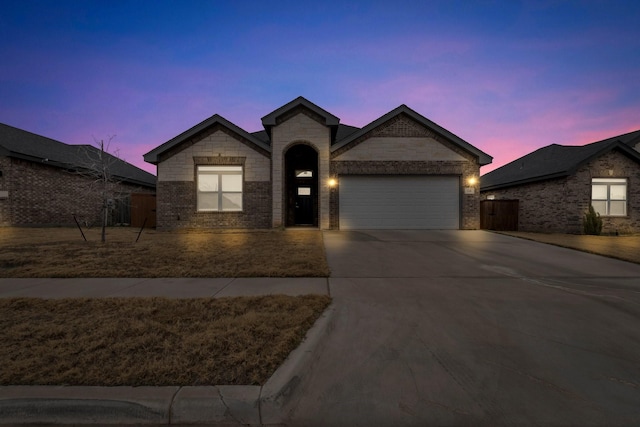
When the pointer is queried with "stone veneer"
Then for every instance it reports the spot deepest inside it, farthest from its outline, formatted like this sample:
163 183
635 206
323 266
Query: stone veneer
300 127
42 195
559 205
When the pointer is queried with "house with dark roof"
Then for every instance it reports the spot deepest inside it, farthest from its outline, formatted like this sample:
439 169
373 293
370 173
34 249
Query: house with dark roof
47 182
556 184
305 168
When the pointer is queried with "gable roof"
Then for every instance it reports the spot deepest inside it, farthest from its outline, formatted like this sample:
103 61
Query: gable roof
341 135
29 146
331 121
556 161
255 138
483 158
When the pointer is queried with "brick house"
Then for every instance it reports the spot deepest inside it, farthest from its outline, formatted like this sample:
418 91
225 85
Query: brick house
307 169
44 182
556 184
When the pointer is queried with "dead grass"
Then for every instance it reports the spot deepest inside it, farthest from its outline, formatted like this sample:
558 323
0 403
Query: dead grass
151 341
61 252
626 248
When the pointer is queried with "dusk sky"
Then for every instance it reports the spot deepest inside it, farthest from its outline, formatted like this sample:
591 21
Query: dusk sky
506 76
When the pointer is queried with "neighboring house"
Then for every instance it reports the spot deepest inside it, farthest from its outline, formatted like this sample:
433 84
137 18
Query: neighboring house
46 182
401 171
556 184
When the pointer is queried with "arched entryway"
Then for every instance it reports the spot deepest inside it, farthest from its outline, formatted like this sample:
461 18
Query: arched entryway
301 186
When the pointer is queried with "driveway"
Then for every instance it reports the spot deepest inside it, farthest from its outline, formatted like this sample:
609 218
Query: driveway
445 328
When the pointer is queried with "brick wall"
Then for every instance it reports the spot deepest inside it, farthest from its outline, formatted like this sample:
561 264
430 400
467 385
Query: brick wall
300 126
559 205
176 207
46 195
402 138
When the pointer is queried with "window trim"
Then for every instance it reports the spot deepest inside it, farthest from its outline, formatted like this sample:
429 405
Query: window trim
220 171
609 182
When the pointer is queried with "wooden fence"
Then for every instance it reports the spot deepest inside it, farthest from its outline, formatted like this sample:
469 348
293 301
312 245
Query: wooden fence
143 206
499 215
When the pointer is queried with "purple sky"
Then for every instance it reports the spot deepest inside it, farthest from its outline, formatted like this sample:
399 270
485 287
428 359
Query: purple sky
506 76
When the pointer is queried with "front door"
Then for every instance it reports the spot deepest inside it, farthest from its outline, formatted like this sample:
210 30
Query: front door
301 166
304 205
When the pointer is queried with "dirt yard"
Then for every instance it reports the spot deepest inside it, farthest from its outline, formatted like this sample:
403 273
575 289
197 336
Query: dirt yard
62 252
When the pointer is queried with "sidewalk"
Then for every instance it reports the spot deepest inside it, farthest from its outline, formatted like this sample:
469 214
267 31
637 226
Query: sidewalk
211 405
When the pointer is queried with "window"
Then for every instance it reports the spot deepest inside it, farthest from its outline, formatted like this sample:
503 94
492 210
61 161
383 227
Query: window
219 188
609 196
304 173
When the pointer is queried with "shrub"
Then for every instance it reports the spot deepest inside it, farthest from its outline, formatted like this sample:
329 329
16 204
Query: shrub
592 222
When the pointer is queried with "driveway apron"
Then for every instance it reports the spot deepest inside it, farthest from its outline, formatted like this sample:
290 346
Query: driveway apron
445 328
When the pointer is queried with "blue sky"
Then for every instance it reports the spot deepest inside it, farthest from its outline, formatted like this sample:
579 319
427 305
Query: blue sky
506 76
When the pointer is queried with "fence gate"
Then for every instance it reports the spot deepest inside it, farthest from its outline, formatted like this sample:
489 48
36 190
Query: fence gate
499 215
143 206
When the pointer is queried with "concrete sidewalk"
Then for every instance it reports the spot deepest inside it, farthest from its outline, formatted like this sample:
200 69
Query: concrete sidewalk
212 405
165 287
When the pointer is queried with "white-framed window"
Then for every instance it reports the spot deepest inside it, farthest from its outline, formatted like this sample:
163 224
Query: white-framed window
219 188
609 196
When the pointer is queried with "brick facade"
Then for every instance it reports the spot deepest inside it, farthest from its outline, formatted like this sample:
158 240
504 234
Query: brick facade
444 159
39 195
391 148
176 207
559 205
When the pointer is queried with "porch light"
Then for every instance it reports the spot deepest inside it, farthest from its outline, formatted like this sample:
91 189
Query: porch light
472 180
332 182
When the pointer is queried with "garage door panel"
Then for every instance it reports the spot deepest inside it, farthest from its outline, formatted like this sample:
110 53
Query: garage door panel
399 202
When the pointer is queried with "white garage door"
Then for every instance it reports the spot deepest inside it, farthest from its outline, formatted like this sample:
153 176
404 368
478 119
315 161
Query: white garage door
399 202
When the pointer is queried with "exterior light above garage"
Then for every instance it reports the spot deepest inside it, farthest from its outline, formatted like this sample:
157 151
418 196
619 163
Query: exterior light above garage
332 182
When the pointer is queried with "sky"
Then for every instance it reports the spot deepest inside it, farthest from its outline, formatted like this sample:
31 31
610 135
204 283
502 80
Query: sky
506 76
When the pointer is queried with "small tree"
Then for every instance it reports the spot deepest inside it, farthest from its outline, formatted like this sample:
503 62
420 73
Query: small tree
592 222
97 164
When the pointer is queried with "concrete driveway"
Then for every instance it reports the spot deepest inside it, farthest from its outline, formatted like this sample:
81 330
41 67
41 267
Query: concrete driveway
440 328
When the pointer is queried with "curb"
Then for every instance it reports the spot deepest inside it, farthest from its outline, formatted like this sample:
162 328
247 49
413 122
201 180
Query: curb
212 405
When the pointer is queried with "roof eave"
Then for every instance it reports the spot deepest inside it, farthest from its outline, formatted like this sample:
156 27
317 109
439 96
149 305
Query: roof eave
483 158
524 181
153 155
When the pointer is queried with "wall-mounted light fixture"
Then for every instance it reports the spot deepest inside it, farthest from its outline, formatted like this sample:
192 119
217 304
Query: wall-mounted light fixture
472 180
332 183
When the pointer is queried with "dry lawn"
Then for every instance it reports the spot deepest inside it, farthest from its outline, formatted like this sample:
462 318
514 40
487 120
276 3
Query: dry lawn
61 252
151 341
626 248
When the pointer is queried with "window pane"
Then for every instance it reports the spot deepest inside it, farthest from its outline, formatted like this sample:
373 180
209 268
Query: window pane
232 182
231 201
207 182
618 208
599 192
207 201
618 192
600 207
304 173
304 191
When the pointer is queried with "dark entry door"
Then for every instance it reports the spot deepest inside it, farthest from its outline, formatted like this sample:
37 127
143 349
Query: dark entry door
301 172
304 205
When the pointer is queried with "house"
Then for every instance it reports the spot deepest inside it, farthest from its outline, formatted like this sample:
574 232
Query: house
400 171
47 182
555 185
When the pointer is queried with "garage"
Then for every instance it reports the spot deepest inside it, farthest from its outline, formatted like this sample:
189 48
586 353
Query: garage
399 202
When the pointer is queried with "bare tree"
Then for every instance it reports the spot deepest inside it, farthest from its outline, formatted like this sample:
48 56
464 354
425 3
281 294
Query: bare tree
99 166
